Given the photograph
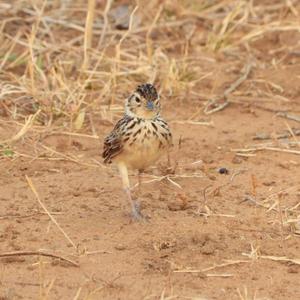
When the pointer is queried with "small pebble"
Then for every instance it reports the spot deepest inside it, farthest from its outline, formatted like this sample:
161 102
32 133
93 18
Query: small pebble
223 171
120 247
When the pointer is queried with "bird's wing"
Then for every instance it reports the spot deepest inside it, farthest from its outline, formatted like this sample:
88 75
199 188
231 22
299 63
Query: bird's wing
113 143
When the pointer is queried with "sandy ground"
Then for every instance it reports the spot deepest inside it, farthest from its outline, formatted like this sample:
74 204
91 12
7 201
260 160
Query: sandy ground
231 243
234 235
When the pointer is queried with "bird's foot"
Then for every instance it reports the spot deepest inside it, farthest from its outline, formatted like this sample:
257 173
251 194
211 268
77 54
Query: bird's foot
137 214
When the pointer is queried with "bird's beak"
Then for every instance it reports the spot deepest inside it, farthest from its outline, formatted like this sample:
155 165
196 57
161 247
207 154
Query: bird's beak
150 105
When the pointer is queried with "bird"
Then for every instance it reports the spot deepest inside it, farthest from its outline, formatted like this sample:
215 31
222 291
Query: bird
139 138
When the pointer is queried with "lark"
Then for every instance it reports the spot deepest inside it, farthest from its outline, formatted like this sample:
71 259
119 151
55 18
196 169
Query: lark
138 139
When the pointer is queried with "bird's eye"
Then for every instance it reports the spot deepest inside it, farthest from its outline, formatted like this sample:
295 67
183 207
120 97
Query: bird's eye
137 100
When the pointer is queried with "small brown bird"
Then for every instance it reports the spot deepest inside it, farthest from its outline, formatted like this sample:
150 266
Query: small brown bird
138 139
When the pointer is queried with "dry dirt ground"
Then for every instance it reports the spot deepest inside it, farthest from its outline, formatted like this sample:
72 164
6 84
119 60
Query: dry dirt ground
210 235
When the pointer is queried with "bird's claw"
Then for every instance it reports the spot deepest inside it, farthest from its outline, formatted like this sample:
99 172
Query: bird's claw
136 213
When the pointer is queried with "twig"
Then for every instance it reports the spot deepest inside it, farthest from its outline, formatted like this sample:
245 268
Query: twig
105 19
215 215
268 149
251 199
218 107
24 129
227 263
219 275
29 181
26 216
295 261
88 33
283 135
229 90
38 252
279 198
69 158
292 133
239 81
288 116
96 137
282 150
190 122
77 294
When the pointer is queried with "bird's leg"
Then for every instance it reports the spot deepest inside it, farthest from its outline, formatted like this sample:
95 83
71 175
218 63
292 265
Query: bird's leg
169 160
170 168
135 208
139 181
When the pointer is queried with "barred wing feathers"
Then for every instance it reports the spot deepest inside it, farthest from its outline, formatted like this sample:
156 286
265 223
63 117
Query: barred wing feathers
113 143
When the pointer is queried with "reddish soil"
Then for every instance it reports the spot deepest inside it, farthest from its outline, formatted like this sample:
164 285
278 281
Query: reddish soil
119 259
220 236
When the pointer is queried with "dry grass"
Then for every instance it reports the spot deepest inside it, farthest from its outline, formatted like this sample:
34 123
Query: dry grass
67 58
64 64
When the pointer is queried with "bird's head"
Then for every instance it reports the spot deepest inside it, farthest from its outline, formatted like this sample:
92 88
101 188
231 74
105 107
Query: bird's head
144 102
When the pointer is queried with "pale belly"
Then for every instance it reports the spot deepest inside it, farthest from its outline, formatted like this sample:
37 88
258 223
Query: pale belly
142 155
